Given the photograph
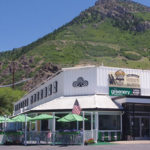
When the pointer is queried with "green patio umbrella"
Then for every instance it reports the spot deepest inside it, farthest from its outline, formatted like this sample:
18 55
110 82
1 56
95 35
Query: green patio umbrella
71 117
42 117
8 120
20 118
2 119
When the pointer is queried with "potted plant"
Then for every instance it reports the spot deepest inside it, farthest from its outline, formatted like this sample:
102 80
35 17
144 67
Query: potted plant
91 141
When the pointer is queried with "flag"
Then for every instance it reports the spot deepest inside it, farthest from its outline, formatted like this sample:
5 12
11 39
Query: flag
76 108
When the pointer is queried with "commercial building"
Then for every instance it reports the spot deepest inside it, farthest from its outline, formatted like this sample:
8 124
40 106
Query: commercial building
116 101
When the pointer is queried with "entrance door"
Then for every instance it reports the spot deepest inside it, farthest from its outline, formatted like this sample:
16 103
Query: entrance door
141 128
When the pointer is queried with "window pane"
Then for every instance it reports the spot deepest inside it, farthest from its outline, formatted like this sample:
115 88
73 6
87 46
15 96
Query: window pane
109 122
34 98
41 94
50 89
27 101
37 96
55 87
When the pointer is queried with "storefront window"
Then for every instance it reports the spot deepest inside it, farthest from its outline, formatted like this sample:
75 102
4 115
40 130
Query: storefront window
109 122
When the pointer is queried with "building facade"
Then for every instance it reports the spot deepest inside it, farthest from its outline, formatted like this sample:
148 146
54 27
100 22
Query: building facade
117 100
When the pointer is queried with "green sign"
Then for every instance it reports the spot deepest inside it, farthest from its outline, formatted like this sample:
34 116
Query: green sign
115 91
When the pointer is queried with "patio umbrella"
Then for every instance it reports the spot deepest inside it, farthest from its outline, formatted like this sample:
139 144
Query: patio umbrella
71 117
20 118
42 117
2 119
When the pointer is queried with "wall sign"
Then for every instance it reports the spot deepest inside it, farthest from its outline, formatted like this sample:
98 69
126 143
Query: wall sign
80 82
124 84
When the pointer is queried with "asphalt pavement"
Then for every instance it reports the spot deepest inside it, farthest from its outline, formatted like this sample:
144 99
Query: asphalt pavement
121 145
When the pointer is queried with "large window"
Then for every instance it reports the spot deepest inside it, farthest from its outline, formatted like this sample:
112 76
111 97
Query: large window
109 122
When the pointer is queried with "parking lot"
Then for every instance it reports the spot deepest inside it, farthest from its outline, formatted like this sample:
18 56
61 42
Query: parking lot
119 145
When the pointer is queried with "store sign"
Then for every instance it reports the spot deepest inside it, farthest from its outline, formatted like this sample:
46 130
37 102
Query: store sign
113 91
124 84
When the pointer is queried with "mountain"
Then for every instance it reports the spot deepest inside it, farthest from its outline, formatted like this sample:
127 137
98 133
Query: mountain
115 32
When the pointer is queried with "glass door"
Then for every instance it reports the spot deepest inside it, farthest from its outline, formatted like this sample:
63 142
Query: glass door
141 128
137 127
145 128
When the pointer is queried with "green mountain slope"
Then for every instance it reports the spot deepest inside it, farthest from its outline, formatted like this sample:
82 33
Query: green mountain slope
115 32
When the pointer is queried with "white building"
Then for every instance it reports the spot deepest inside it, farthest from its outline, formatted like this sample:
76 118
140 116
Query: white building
118 100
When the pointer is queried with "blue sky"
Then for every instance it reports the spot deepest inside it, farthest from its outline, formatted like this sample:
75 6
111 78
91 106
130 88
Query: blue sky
24 21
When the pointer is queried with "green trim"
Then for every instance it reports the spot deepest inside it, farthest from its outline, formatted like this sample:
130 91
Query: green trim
112 136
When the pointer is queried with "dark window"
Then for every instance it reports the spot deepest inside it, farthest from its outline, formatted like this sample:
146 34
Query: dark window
41 94
50 89
27 101
45 92
23 104
15 107
19 105
37 96
31 99
55 87
34 98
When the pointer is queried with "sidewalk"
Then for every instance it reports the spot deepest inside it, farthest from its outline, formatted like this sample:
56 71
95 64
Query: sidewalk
132 142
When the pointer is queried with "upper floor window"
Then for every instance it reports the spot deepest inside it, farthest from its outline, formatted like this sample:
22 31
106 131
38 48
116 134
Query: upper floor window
41 94
55 87
23 104
34 98
19 106
27 101
45 92
50 89
37 96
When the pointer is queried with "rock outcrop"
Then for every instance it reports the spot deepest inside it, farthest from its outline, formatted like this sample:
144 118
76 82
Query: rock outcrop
45 72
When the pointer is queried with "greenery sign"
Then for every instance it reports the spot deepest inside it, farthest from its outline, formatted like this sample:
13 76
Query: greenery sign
113 91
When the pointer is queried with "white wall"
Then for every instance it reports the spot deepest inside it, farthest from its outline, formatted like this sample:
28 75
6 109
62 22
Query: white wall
72 75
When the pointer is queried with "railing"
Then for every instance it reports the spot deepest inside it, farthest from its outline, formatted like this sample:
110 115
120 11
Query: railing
38 137
41 137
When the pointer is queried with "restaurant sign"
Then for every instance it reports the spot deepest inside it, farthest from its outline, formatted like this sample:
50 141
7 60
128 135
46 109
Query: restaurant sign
124 84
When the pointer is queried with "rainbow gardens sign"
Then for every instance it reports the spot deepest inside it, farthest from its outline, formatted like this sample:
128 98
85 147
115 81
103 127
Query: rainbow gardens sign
124 84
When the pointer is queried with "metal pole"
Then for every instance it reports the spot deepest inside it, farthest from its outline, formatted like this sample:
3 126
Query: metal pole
83 128
25 129
92 123
5 122
53 128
